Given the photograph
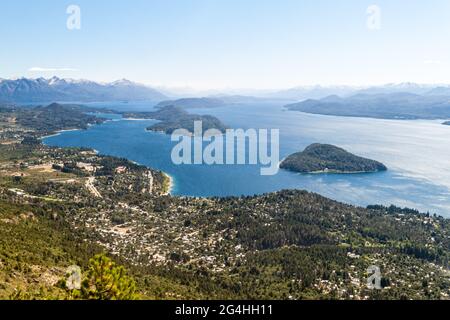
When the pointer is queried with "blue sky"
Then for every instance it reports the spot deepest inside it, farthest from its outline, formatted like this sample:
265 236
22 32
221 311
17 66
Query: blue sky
228 43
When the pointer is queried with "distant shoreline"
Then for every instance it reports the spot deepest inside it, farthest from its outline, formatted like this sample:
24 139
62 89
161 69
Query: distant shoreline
170 179
58 133
137 119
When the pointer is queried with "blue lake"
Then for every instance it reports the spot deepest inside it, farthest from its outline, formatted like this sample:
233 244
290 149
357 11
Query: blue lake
417 154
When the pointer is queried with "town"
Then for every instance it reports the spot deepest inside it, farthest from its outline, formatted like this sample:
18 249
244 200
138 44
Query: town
285 245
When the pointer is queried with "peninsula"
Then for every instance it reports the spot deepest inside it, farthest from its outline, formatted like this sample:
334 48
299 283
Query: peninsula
172 118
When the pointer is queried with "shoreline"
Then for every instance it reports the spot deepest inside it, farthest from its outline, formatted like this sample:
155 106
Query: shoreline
137 119
335 172
171 184
170 180
58 133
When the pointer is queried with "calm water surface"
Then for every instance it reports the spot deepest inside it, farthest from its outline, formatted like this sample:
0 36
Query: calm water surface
416 152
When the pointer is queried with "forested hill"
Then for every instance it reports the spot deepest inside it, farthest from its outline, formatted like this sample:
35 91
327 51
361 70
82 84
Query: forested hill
329 158
174 117
54 117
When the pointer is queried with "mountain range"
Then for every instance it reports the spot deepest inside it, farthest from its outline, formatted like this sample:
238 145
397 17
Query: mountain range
384 106
67 90
300 93
403 100
319 92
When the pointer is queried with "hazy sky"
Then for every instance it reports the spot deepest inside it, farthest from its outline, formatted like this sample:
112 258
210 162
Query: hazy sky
229 43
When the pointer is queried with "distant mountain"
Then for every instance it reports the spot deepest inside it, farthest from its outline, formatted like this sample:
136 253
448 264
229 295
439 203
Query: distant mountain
312 92
404 87
241 99
213 102
440 91
384 106
325 158
65 90
320 92
189 103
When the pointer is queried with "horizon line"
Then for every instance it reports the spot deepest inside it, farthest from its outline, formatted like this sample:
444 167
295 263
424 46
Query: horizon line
228 88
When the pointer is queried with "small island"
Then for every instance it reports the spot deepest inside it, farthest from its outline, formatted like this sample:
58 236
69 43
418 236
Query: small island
325 158
172 118
446 123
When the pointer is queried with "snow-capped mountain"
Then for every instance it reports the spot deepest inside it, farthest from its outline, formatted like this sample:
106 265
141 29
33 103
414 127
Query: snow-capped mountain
409 87
320 92
63 90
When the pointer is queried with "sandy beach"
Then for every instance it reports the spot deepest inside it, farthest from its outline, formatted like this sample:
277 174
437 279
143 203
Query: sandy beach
171 184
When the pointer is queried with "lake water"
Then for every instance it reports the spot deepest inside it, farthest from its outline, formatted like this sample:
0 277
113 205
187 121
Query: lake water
417 154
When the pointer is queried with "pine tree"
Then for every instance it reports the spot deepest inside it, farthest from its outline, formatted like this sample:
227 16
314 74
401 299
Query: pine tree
105 280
